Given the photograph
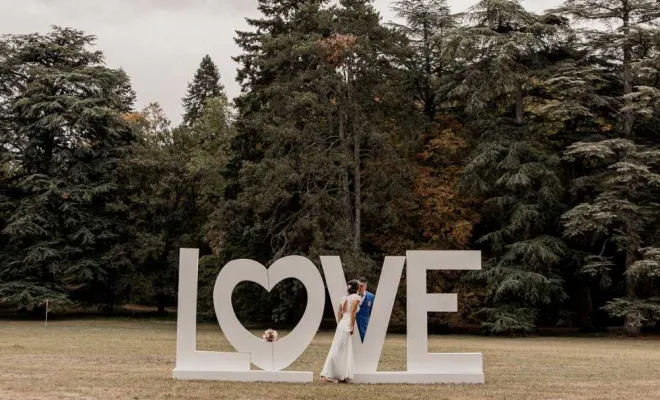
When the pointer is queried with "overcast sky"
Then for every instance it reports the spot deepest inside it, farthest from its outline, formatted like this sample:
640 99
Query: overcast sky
160 43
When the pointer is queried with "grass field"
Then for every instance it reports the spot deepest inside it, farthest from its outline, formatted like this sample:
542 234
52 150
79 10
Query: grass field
133 359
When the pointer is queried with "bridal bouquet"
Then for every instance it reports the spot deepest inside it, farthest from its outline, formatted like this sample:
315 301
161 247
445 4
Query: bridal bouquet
270 335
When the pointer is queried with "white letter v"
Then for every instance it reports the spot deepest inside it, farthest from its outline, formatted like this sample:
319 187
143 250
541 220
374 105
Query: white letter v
367 354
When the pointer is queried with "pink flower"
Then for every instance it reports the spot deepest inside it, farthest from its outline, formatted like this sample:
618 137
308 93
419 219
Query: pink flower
270 335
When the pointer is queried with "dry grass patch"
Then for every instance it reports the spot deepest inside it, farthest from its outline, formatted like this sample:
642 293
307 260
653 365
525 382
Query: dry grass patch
126 359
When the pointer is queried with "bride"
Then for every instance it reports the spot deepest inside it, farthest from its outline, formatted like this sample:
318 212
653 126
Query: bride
339 364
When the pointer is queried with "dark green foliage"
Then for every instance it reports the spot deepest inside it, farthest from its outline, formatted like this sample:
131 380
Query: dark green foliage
623 190
312 120
528 137
616 189
205 86
286 170
282 170
505 51
427 24
173 182
62 139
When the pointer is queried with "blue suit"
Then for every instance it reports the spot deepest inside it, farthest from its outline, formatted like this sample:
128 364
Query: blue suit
362 316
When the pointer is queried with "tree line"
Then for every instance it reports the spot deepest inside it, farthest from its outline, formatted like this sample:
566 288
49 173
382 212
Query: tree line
530 137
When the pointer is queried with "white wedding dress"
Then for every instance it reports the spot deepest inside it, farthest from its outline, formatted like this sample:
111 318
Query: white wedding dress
339 364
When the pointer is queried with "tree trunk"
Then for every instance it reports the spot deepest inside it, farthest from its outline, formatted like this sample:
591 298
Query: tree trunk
628 116
586 307
357 189
519 104
161 304
628 121
628 327
344 170
357 177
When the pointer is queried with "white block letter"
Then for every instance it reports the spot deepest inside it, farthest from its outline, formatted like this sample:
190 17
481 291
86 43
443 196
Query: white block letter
280 354
420 303
187 357
367 354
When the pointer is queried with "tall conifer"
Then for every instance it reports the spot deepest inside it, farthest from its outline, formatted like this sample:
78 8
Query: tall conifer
505 49
60 107
206 85
617 189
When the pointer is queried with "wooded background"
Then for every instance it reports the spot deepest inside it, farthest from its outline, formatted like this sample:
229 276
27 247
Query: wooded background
532 138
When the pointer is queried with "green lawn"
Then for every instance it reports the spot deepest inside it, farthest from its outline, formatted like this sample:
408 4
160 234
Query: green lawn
133 359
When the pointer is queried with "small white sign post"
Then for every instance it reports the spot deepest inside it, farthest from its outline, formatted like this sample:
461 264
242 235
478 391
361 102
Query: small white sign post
272 358
46 323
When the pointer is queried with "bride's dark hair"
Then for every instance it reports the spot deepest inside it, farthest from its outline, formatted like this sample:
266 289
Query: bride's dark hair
353 286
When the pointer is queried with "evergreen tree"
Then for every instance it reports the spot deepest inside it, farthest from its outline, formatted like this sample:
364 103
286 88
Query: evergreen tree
505 50
617 189
576 108
626 178
435 215
172 182
427 24
282 174
627 43
313 118
61 109
371 106
205 86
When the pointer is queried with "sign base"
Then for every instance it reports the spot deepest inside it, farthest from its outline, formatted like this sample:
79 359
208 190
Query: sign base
418 378
244 376
399 377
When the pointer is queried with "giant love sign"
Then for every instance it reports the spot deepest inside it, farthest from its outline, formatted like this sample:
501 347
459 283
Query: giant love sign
274 357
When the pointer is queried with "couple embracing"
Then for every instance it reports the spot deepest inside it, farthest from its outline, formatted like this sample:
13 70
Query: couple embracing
354 309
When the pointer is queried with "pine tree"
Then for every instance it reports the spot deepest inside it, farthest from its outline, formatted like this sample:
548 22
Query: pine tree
205 85
576 108
371 107
313 118
617 189
628 42
624 181
283 175
505 50
61 107
427 23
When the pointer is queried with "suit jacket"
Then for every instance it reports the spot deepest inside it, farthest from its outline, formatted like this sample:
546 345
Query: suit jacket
365 307
362 316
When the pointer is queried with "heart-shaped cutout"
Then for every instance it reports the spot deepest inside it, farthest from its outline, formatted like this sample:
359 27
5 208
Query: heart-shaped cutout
280 354
256 308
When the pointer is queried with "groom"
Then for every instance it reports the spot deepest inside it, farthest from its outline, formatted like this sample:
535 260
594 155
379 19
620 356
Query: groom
366 304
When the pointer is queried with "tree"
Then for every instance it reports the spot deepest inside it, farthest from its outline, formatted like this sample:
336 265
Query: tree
285 165
628 41
626 181
313 139
282 176
172 182
444 215
505 50
60 107
433 213
371 109
427 24
205 86
618 183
